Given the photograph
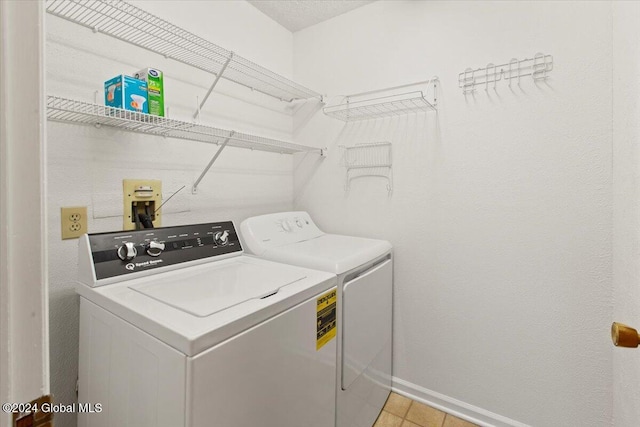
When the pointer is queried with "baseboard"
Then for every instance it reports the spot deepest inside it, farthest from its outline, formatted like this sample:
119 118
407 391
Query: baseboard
452 406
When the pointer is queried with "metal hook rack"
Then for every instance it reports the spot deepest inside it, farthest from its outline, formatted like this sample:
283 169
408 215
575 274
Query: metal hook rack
368 160
537 67
386 105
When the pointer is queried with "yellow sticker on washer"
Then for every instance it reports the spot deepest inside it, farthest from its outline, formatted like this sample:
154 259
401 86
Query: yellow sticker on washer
326 318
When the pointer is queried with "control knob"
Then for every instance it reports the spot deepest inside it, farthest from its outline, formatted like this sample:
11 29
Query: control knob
286 225
127 252
154 248
221 238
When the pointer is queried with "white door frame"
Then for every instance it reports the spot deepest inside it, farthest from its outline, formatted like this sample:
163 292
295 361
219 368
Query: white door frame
24 310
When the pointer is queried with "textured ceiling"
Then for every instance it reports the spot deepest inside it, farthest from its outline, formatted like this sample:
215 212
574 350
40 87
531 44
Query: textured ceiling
295 15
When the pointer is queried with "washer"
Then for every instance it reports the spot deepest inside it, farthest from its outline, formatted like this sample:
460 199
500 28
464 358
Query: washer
364 268
179 328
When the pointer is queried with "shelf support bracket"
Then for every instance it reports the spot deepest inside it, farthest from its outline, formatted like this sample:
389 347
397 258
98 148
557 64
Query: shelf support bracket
213 85
194 189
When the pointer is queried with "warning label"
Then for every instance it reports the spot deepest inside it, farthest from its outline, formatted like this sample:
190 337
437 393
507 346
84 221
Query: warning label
326 318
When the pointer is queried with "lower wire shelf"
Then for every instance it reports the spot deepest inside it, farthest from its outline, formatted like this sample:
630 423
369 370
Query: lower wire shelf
73 111
79 112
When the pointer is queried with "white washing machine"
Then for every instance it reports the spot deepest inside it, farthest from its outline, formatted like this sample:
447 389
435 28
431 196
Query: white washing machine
179 328
365 281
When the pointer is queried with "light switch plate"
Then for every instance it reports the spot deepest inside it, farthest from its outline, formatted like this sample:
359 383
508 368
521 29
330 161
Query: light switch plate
73 222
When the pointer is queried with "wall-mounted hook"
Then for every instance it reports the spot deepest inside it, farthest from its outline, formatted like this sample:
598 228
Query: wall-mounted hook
511 62
539 69
468 81
487 73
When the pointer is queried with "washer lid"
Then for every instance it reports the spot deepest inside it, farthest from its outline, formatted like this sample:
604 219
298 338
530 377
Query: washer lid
203 293
171 306
330 252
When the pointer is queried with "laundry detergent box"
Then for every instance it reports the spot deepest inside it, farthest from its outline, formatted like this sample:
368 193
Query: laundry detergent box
127 93
155 87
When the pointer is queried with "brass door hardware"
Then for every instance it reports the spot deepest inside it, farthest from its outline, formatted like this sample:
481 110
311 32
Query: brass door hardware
624 336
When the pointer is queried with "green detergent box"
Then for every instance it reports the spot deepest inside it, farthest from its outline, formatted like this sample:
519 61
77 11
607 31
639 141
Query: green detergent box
155 89
127 93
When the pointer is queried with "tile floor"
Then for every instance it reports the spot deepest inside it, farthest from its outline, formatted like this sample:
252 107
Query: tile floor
400 411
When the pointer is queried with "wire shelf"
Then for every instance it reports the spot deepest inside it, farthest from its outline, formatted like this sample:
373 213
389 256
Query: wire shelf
133 25
384 106
371 155
72 111
371 160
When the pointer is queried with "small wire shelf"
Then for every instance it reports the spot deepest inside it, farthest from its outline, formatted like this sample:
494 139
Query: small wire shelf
131 24
388 106
384 106
73 111
368 160
371 155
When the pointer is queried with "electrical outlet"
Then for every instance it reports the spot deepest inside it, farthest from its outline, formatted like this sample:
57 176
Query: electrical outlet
73 222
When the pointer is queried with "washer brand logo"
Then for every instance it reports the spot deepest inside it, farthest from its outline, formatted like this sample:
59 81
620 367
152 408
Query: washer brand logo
150 263
130 266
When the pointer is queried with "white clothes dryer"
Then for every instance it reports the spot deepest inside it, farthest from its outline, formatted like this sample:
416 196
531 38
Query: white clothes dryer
364 268
178 328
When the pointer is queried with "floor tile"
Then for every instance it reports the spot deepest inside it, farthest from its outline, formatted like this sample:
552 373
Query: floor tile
397 405
387 419
451 421
425 416
409 424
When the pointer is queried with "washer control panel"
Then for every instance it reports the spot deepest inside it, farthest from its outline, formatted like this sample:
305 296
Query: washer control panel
127 252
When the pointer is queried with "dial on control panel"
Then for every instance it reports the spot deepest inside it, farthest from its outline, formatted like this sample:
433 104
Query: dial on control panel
127 252
286 225
290 225
154 248
221 238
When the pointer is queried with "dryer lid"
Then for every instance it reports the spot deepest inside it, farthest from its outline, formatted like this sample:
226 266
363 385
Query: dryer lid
203 293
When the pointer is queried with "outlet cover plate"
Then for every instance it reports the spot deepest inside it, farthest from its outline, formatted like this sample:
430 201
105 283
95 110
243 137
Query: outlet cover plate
73 222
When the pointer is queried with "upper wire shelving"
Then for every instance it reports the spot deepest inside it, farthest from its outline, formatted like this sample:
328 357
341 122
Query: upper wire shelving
384 106
133 25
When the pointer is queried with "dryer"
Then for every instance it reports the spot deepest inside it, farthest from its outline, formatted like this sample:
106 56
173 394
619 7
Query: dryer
178 328
364 268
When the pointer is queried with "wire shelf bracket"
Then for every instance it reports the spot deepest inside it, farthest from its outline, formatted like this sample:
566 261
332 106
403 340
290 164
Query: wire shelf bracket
213 85
79 112
136 26
537 67
365 107
194 189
